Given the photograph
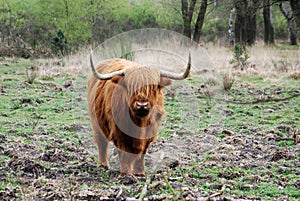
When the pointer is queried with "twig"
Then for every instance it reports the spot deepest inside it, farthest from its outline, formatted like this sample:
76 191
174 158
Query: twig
169 185
215 194
119 193
296 137
212 196
144 190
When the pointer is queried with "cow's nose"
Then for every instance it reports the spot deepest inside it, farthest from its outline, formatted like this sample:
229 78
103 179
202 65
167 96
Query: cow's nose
142 105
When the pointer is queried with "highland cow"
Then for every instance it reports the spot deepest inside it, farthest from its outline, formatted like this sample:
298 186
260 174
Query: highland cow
126 105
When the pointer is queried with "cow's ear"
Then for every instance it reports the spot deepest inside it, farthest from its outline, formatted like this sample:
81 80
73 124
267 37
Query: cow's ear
164 82
118 80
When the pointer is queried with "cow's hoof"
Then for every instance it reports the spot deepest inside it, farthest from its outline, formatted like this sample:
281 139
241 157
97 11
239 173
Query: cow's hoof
127 179
102 166
140 174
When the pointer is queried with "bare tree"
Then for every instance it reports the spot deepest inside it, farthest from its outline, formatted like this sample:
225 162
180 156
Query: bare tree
200 21
269 30
230 27
187 15
286 10
245 22
295 5
7 24
187 10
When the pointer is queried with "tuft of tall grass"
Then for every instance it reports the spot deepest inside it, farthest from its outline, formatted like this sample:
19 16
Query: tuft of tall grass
228 80
31 73
295 75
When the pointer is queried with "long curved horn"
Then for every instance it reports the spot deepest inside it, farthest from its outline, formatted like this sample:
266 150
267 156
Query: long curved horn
176 76
104 76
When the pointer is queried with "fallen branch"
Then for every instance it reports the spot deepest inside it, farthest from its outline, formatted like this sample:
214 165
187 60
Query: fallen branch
263 100
259 100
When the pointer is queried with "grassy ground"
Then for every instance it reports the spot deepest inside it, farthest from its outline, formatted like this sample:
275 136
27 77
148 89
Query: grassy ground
214 144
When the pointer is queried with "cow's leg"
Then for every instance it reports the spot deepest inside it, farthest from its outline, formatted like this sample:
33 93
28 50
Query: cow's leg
126 161
103 145
139 166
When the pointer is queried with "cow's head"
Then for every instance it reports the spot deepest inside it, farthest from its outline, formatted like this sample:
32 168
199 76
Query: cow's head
143 85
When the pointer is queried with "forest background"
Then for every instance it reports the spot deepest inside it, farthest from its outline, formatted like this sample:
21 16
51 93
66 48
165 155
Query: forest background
35 28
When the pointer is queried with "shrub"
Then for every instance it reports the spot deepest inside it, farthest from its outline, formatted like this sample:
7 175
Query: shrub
59 43
240 56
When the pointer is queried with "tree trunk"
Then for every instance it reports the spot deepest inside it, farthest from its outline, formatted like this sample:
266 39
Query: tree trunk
245 22
293 34
295 5
239 21
250 29
187 15
240 36
9 26
231 34
287 12
269 30
200 21
67 13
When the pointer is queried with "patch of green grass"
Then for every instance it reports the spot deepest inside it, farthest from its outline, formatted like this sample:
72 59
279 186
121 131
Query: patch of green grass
239 181
269 191
284 143
248 119
4 157
269 113
287 47
33 107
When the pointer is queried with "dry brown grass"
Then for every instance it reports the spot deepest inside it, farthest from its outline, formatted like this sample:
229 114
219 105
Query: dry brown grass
267 62
271 63
31 73
228 80
72 65
295 75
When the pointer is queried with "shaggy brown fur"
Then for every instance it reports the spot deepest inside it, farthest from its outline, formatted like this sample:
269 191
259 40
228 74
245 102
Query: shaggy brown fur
115 113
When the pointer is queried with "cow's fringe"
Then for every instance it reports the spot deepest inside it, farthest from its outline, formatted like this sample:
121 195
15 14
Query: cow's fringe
142 80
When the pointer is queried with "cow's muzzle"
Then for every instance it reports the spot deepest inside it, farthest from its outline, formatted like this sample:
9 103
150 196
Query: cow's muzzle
141 108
